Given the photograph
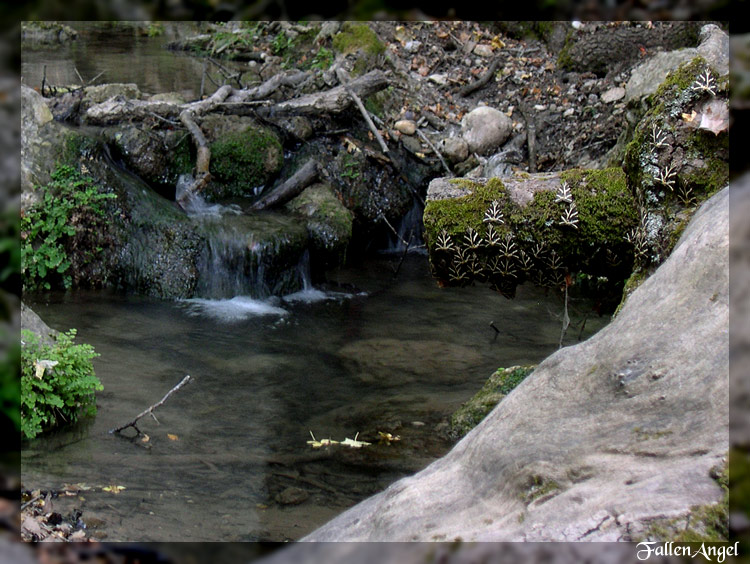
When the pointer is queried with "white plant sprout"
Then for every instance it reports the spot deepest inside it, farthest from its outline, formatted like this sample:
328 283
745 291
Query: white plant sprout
570 216
658 137
704 83
563 194
494 214
444 242
666 177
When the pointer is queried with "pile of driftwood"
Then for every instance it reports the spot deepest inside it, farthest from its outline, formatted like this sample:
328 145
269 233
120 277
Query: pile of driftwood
232 100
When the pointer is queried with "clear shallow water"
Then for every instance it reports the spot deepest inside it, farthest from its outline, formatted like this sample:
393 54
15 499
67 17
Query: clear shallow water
398 356
122 55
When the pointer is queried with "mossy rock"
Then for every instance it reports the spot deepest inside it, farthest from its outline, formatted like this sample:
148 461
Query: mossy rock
358 38
244 156
532 242
367 190
703 524
500 384
328 221
671 164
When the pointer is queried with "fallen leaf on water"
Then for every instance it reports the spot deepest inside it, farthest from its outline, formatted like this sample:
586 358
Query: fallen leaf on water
113 488
354 443
172 437
320 443
388 438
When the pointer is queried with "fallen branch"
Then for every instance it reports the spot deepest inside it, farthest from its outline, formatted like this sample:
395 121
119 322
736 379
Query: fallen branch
484 79
290 188
341 73
335 100
423 137
150 410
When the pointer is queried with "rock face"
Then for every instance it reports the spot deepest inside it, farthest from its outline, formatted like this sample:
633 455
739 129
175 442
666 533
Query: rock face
602 438
32 322
485 129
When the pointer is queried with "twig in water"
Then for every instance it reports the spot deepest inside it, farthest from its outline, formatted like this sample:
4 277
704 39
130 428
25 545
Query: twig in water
150 410
565 319
494 328
78 74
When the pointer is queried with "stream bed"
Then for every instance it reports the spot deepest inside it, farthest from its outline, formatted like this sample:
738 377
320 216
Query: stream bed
228 459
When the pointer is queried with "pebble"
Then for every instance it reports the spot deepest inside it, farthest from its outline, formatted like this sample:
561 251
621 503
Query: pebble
406 126
569 112
412 46
613 94
292 496
483 50
439 79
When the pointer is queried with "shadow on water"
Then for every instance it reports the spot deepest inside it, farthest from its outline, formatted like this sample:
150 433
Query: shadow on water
398 357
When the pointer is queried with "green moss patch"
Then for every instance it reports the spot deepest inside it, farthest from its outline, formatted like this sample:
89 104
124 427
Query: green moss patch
244 160
532 242
329 223
500 384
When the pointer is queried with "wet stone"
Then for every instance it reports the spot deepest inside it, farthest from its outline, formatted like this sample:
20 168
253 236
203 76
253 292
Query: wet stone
292 496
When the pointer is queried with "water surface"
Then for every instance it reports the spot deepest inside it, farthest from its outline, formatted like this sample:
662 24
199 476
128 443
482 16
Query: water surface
397 355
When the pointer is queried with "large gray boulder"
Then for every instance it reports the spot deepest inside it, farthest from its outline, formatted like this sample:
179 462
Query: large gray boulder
484 129
603 438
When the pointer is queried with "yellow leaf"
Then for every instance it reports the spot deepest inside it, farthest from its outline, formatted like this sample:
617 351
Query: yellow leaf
113 489
172 437
497 43
689 117
145 438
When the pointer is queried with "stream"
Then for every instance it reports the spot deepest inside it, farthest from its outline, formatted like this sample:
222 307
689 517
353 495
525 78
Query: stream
380 348
397 356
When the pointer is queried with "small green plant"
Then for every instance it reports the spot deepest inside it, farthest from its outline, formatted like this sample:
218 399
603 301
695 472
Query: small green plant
351 168
322 60
155 29
281 43
58 383
71 202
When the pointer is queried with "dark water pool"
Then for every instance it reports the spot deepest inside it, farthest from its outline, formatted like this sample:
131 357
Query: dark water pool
397 356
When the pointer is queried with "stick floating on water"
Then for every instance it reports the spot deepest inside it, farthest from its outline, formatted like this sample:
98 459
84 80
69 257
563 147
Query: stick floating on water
150 410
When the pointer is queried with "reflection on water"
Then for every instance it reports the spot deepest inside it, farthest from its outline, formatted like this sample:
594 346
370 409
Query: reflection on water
116 52
396 356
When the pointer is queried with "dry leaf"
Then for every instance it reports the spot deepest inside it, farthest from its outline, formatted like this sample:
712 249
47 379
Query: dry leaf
715 116
172 437
145 438
112 488
354 443
689 118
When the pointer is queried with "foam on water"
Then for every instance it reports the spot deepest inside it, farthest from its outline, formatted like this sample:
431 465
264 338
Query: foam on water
237 308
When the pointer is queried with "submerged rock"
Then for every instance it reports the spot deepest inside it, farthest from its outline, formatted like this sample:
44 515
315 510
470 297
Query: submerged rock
602 438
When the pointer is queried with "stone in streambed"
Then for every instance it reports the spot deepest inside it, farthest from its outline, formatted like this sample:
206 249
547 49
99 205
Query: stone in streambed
485 129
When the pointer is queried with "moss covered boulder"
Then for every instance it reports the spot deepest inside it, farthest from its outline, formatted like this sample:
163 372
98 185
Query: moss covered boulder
500 384
679 156
358 39
244 156
328 221
538 227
